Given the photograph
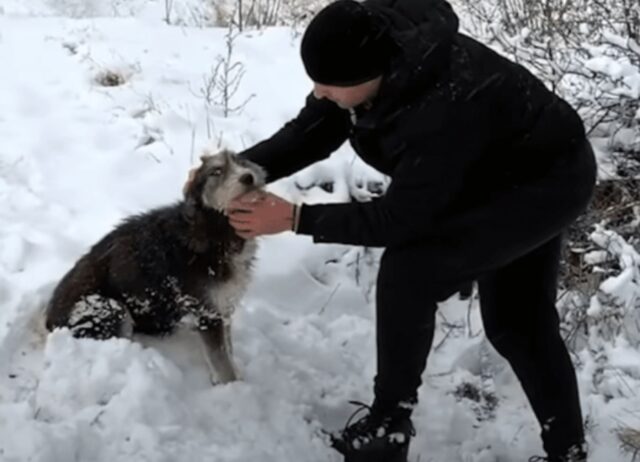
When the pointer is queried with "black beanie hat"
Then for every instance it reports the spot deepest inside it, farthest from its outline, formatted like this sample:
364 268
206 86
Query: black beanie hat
345 44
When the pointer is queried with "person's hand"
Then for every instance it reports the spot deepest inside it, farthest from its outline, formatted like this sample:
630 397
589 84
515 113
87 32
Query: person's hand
258 213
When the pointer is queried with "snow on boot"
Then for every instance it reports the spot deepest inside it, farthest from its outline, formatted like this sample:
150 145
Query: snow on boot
375 437
576 453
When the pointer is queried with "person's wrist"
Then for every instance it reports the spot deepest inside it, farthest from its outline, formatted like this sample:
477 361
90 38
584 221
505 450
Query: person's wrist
295 217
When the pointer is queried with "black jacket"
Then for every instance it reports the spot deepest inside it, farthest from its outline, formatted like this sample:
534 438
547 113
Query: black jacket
454 125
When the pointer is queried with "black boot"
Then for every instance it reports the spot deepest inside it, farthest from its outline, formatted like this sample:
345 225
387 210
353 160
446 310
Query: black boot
576 453
375 437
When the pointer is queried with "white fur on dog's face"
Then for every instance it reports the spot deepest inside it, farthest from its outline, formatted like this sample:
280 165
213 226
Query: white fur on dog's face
226 179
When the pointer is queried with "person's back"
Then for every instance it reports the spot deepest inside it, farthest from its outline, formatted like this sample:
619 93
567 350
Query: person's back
518 125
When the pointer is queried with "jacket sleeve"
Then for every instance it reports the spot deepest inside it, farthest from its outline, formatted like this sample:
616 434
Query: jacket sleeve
318 130
425 184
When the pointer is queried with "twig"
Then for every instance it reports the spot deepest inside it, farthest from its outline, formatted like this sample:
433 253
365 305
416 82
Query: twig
335 289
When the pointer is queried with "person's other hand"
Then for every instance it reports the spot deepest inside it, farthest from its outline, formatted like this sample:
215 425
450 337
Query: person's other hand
258 213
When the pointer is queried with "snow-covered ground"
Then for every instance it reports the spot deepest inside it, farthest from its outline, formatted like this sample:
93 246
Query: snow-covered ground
76 157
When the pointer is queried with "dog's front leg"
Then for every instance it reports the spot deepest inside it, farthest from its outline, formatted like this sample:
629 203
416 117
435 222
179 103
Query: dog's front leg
217 346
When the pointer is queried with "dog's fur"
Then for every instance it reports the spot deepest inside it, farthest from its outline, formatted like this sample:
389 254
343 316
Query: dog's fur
155 268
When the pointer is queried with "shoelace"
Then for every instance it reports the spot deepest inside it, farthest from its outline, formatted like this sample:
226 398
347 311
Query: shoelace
367 425
363 423
340 440
361 406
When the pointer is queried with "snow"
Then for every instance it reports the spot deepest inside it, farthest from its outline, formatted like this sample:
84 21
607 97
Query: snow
77 157
625 72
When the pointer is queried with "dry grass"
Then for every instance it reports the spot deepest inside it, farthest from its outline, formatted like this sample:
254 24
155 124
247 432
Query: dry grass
630 441
109 78
615 205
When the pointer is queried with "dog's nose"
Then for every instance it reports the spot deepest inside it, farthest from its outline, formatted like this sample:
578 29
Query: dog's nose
247 179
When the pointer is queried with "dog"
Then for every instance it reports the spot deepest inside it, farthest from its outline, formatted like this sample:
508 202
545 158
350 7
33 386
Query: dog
156 268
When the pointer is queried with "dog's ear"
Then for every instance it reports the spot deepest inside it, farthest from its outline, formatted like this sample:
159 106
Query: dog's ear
206 155
190 184
189 193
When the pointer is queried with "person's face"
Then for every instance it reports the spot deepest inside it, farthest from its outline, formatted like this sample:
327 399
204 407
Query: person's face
348 97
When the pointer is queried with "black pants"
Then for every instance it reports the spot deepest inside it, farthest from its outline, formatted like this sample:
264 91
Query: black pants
511 246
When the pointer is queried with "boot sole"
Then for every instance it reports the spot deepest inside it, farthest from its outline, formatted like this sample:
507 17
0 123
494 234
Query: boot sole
400 454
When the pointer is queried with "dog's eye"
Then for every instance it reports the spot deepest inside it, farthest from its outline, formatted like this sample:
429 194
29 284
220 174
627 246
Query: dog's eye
216 171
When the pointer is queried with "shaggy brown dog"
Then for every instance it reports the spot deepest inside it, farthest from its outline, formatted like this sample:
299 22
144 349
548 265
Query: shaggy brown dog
157 267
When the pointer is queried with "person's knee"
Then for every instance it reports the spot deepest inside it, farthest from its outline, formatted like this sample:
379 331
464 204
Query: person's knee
412 272
503 339
510 336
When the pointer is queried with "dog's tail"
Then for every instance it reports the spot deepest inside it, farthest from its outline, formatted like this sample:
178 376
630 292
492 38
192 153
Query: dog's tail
82 280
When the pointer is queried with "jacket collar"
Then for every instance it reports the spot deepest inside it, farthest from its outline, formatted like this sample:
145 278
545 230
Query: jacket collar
422 33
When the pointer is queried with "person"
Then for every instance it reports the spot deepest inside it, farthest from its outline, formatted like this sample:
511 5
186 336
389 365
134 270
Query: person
487 167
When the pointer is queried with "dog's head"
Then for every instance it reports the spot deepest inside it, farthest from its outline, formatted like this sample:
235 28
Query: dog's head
221 178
